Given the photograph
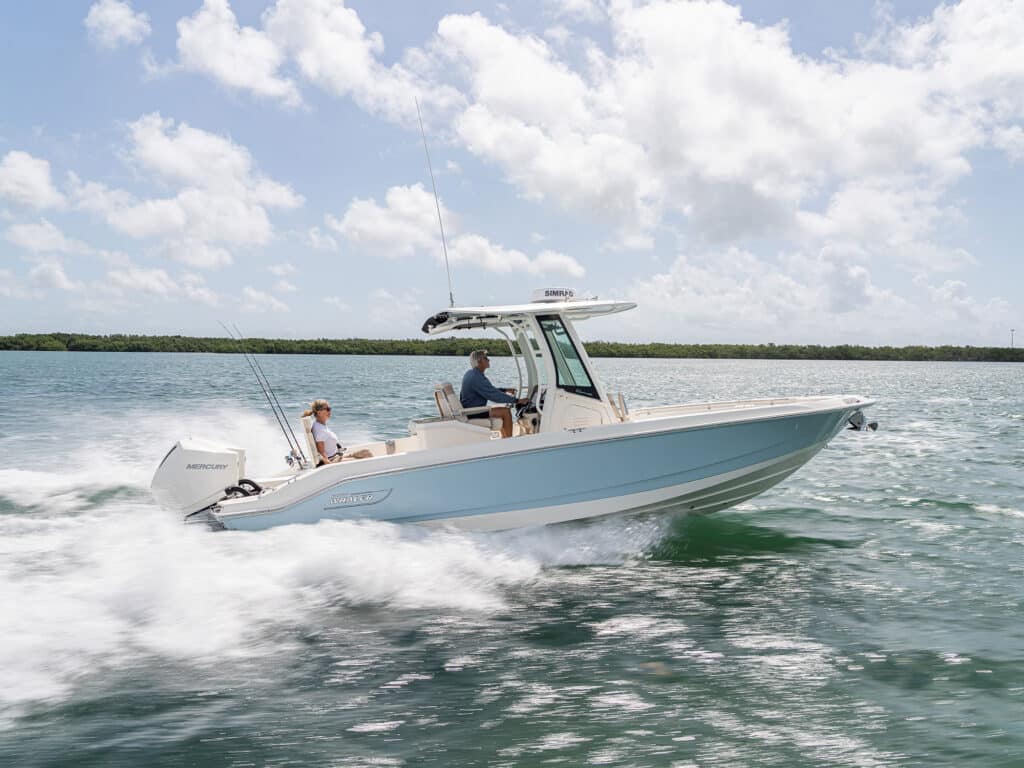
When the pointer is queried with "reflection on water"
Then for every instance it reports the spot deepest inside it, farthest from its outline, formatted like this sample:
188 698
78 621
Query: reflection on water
722 539
863 613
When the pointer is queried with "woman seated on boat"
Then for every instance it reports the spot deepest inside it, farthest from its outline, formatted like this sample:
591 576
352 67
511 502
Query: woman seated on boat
477 390
327 445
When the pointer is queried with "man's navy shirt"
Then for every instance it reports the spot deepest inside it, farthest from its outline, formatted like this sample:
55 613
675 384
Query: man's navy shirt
477 391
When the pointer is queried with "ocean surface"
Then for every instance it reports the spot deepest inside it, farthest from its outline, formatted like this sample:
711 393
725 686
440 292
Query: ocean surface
867 612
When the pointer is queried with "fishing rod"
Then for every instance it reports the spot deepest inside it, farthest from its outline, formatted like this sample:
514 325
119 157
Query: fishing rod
294 448
263 386
437 204
276 401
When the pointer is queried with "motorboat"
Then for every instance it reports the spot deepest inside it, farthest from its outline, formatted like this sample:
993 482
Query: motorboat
577 450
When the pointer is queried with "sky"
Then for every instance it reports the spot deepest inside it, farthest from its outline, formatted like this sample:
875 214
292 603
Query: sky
751 172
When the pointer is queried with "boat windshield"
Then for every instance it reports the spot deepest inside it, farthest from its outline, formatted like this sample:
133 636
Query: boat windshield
572 374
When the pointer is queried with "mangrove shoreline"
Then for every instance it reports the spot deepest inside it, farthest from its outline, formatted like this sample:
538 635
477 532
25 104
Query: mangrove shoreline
79 342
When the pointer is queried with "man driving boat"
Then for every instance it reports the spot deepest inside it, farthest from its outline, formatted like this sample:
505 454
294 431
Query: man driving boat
477 391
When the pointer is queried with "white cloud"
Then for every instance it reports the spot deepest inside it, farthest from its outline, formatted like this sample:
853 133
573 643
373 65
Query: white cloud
320 240
140 280
283 286
586 10
101 299
973 50
113 258
329 41
684 117
196 253
11 287
520 77
326 41
197 158
25 180
898 210
337 302
535 118
282 270
734 296
558 34
553 262
395 312
333 50
953 302
695 111
50 274
690 112
737 296
261 301
194 287
195 214
1010 139
95 197
732 289
43 237
129 285
407 224
211 42
223 197
896 217
478 251
112 22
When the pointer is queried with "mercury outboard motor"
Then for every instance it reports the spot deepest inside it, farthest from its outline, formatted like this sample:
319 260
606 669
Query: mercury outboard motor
195 473
857 422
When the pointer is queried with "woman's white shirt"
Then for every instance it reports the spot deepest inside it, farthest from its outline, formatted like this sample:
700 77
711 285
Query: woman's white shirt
323 434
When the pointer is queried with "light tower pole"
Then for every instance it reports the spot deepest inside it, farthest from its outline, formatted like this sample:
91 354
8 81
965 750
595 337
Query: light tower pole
1011 338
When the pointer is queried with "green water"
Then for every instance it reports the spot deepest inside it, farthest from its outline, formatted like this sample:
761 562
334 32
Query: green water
866 612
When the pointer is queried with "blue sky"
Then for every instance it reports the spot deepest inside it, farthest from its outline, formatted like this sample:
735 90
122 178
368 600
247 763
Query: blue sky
765 171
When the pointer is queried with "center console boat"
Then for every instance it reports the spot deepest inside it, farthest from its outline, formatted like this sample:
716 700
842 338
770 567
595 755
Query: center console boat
577 451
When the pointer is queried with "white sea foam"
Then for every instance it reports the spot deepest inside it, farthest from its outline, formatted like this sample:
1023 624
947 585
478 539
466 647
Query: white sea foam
995 509
97 450
92 580
94 590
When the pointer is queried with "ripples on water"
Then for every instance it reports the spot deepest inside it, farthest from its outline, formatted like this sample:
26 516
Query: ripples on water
867 612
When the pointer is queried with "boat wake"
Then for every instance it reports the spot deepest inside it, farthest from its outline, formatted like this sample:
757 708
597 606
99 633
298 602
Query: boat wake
95 577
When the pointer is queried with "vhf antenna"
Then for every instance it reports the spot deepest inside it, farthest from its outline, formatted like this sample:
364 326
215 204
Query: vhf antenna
444 244
294 447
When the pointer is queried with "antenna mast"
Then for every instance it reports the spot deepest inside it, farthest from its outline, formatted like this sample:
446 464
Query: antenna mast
444 244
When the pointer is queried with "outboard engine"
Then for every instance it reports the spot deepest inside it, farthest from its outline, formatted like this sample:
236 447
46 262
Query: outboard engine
195 474
859 423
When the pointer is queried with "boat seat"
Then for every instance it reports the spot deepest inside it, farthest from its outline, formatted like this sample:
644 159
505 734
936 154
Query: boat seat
450 407
443 408
307 428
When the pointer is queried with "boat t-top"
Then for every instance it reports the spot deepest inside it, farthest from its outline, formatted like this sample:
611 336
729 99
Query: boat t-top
577 450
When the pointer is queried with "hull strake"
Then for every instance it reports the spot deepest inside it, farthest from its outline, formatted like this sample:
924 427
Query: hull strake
698 497
707 468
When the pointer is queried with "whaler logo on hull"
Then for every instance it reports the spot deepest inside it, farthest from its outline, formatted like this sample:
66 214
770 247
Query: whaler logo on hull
356 499
206 466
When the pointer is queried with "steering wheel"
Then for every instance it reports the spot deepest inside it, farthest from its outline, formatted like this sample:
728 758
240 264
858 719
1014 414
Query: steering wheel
530 402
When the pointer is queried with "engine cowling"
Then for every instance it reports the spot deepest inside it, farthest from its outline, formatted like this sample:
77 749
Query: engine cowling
194 474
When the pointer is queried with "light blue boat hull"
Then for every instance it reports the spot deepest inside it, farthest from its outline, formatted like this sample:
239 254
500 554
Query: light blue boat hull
700 468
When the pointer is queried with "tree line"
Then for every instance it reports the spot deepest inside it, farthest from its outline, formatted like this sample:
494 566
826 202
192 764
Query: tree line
79 342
